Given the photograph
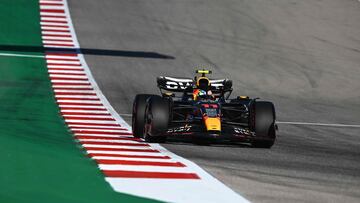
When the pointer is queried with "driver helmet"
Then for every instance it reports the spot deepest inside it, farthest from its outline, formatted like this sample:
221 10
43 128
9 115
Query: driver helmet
203 83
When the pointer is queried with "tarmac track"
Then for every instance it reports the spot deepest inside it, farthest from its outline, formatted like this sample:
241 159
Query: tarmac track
302 55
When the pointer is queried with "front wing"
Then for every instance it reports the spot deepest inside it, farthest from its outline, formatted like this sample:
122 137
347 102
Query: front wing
233 133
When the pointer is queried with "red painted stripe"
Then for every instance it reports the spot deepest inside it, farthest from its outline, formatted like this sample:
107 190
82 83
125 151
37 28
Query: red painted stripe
53 35
129 156
62 64
50 16
65 78
95 124
97 128
59 53
138 174
85 114
54 30
62 59
115 143
58 40
69 69
52 10
59 45
80 104
69 83
51 4
101 133
81 108
54 21
89 118
69 74
139 163
60 26
106 138
75 93
78 99
70 89
121 149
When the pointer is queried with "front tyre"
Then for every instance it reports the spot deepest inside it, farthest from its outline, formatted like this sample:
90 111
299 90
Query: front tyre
156 119
138 114
262 122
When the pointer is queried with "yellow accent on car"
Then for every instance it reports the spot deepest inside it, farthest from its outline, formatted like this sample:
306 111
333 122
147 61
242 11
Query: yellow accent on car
213 124
169 94
195 94
243 97
203 71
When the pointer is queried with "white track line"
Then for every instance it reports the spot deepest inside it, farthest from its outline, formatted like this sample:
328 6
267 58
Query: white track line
319 124
125 115
22 55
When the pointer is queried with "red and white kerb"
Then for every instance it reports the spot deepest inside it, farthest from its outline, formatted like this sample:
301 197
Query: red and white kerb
111 145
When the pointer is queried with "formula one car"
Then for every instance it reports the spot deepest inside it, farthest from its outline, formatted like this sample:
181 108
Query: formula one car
200 108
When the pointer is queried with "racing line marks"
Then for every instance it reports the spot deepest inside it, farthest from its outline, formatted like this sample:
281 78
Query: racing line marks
127 162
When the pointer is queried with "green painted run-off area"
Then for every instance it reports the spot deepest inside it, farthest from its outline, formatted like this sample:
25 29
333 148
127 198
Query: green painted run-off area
40 162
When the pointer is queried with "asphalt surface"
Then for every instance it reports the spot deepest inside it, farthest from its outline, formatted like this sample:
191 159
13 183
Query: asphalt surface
302 55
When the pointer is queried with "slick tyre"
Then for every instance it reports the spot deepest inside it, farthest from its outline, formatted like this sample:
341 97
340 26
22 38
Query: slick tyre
157 119
262 122
138 114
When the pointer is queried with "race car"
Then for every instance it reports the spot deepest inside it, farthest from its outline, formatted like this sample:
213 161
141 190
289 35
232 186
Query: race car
201 108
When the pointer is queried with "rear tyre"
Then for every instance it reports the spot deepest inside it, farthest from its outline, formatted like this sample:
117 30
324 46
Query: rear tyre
138 114
262 122
156 119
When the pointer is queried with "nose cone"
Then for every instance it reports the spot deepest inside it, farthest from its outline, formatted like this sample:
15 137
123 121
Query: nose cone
212 124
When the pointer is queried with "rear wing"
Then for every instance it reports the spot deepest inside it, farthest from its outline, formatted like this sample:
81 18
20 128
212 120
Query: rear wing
171 84
174 84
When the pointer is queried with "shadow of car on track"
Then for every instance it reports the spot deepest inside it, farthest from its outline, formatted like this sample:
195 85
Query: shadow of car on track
191 142
85 51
